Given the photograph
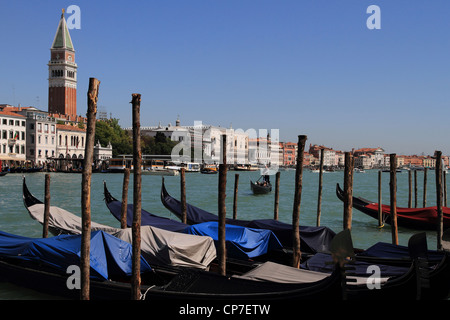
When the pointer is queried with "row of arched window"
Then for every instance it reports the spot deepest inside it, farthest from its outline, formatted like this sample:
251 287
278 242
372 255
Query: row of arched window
60 73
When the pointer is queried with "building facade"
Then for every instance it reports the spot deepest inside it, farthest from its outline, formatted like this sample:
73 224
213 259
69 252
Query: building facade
12 138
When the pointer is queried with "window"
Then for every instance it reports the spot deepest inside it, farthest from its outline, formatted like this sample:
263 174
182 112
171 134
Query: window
5 121
53 128
23 124
32 126
39 128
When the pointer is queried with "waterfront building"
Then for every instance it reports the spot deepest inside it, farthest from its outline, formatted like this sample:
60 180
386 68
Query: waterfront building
70 145
102 154
289 153
41 135
62 73
12 138
202 143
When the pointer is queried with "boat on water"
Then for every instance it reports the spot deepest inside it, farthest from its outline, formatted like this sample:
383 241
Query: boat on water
261 187
184 282
160 247
312 240
415 218
242 242
209 169
160 172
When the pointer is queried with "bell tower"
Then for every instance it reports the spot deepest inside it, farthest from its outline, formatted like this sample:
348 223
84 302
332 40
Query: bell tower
62 73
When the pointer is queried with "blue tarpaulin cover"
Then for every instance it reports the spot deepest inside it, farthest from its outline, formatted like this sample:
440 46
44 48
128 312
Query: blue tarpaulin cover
241 242
109 256
312 239
388 250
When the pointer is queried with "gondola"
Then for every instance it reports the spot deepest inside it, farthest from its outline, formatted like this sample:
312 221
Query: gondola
312 240
198 285
160 247
242 242
414 218
262 187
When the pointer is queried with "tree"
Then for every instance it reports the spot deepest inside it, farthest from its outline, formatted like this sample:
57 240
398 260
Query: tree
110 131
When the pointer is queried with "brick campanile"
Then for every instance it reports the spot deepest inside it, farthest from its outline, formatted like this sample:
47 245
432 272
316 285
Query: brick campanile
62 73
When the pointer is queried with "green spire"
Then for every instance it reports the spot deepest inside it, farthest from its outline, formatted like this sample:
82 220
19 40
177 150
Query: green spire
62 37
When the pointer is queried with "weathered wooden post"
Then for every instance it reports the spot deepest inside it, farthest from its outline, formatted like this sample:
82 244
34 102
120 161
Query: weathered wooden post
444 183
183 195
440 226
92 97
393 191
236 187
425 187
46 206
136 226
415 188
409 189
380 210
348 190
319 198
221 250
277 195
123 212
297 201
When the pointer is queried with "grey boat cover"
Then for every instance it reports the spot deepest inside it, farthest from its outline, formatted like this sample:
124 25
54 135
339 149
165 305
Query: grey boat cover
274 272
158 246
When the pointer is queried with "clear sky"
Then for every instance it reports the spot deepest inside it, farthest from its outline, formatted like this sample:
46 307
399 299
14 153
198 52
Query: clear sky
308 67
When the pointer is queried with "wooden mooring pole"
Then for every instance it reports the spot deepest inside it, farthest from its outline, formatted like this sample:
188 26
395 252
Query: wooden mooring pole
393 192
222 250
319 197
236 187
297 201
409 189
92 97
415 188
440 226
136 226
425 171
348 190
123 212
46 206
380 210
277 196
183 195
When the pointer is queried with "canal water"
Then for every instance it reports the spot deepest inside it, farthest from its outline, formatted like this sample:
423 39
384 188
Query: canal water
201 191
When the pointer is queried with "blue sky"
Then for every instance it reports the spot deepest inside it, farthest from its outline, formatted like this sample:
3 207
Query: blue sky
301 66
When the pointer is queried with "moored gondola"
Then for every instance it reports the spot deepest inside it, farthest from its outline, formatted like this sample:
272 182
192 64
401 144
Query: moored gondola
414 218
313 239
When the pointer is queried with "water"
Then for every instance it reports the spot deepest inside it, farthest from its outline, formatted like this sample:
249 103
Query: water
201 191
